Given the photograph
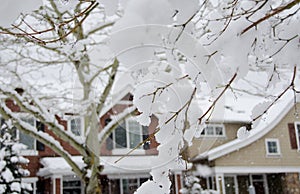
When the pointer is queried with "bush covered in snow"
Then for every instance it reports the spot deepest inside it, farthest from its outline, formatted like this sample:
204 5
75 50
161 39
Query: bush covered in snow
11 170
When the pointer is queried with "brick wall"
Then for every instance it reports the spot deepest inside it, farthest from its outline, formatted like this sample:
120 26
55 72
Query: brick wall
48 151
33 165
153 142
58 185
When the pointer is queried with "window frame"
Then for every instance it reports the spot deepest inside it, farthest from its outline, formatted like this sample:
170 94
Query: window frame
123 150
122 180
214 126
27 152
297 134
128 134
71 178
267 140
69 125
16 133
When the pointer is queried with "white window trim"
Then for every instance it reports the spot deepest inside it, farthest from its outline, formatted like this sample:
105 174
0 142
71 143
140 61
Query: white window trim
297 135
122 151
27 152
69 119
264 180
214 126
277 144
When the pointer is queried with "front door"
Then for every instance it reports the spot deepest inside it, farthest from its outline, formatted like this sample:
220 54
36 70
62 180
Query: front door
259 183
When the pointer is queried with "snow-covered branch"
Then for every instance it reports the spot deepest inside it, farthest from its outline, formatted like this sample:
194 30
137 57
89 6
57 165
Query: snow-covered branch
40 136
37 110
115 121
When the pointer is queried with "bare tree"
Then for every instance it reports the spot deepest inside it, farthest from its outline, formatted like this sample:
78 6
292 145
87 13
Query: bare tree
168 57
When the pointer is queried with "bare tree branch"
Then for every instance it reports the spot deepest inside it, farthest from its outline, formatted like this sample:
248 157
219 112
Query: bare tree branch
274 12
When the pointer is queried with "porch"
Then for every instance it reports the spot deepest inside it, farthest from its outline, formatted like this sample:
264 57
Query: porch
258 180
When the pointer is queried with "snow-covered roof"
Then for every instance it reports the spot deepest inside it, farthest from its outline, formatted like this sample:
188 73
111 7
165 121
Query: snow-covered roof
231 109
273 117
238 110
116 97
112 165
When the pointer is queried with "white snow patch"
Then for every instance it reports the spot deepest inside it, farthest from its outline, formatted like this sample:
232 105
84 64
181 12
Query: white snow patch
242 133
11 9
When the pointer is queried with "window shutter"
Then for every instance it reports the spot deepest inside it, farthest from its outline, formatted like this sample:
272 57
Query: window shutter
109 139
146 145
40 127
292 133
3 128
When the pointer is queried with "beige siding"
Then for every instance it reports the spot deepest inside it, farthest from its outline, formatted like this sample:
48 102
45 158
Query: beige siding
203 144
255 154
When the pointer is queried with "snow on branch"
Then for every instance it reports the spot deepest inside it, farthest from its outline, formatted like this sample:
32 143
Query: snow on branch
108 86
39 135
218 97
116 119
35 108
263 108
33 35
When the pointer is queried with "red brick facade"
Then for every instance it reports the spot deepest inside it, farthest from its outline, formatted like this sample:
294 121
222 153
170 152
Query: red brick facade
49 185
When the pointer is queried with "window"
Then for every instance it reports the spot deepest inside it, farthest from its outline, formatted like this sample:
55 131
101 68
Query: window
231 184
32 144
213 130
75 125
71 185
128 134
127 185
272 147
26 139
297 133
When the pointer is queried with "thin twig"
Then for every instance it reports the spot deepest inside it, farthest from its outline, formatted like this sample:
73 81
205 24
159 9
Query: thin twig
292 85
151 136
267 16
217 99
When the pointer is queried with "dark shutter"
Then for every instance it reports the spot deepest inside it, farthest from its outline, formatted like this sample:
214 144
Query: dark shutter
292 133
3 128
146 145
40 127
109 139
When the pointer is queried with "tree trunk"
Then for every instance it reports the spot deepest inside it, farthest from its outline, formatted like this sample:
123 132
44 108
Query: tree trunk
93 186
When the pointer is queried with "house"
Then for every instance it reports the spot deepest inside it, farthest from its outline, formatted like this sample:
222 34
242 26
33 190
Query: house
266 159
50 174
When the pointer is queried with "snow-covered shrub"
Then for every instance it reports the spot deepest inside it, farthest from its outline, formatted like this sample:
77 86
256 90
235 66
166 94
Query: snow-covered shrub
11 170
192 185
